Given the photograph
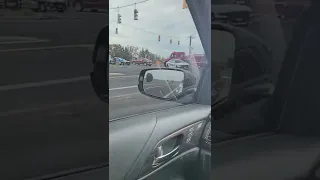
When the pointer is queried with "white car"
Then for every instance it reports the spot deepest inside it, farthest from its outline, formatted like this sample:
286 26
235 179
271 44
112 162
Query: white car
177 63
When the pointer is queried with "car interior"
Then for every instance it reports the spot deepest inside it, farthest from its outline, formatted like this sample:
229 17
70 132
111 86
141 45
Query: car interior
269 136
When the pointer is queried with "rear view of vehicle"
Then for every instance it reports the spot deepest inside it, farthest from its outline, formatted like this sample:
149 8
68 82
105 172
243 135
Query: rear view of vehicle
235 14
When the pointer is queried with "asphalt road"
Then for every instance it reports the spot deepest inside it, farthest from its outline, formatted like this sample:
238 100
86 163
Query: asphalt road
50 118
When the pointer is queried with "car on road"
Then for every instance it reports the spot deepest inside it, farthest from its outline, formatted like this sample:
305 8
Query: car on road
144 61
122 61
112 60
177 63
175 55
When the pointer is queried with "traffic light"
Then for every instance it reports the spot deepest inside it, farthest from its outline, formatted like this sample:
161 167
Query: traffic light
170 41
119 19
116 30
178 42
159 38
135 14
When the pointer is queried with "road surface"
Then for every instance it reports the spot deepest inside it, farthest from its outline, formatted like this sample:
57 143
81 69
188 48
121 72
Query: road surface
50 118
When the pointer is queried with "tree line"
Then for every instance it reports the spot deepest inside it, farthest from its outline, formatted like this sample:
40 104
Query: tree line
130 52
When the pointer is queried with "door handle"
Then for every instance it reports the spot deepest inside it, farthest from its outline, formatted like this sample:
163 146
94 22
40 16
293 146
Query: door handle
161 158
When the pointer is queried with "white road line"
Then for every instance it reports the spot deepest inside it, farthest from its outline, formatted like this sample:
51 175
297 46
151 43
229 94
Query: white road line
126 87
44 83
24 42
121 76
55 82
124 95
47 107
116 74
48 48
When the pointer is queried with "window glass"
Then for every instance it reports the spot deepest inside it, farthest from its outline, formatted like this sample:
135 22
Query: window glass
161 31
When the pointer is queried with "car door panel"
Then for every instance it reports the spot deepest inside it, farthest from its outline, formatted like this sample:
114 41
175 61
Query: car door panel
133 141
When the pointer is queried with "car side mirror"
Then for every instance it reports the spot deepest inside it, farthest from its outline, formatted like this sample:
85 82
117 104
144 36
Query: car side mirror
99 75
166 83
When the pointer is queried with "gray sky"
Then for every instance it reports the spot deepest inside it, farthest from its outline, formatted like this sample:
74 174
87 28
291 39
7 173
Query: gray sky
156 17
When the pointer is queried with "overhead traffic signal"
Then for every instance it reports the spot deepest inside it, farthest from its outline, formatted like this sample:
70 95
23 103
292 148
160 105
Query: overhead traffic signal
116 30
135 14
119 19
159 38
170 41
178 42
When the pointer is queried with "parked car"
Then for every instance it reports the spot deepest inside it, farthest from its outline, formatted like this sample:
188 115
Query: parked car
177 63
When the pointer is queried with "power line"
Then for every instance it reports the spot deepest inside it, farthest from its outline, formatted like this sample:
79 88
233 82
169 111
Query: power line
154 33
128 5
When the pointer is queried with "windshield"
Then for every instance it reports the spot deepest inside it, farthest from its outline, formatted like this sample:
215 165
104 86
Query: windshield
242 82
161 31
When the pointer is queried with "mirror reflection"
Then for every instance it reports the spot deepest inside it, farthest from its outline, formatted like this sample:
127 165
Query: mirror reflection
223 48
163 83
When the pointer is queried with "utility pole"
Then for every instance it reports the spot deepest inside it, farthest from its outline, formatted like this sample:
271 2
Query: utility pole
190 45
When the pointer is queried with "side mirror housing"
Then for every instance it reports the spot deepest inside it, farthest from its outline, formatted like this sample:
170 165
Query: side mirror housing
166 83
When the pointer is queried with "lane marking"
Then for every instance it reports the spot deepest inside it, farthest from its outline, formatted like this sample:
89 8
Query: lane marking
126 87
124 95
55 82
121 76
47 107
116 74
24 42
48 48
44 83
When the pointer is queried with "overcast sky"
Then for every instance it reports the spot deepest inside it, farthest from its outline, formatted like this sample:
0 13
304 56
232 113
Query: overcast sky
156 17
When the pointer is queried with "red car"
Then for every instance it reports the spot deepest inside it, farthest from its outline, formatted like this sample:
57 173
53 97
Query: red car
143 61
91 4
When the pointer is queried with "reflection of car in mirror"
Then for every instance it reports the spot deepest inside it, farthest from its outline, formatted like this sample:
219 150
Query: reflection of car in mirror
234 14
